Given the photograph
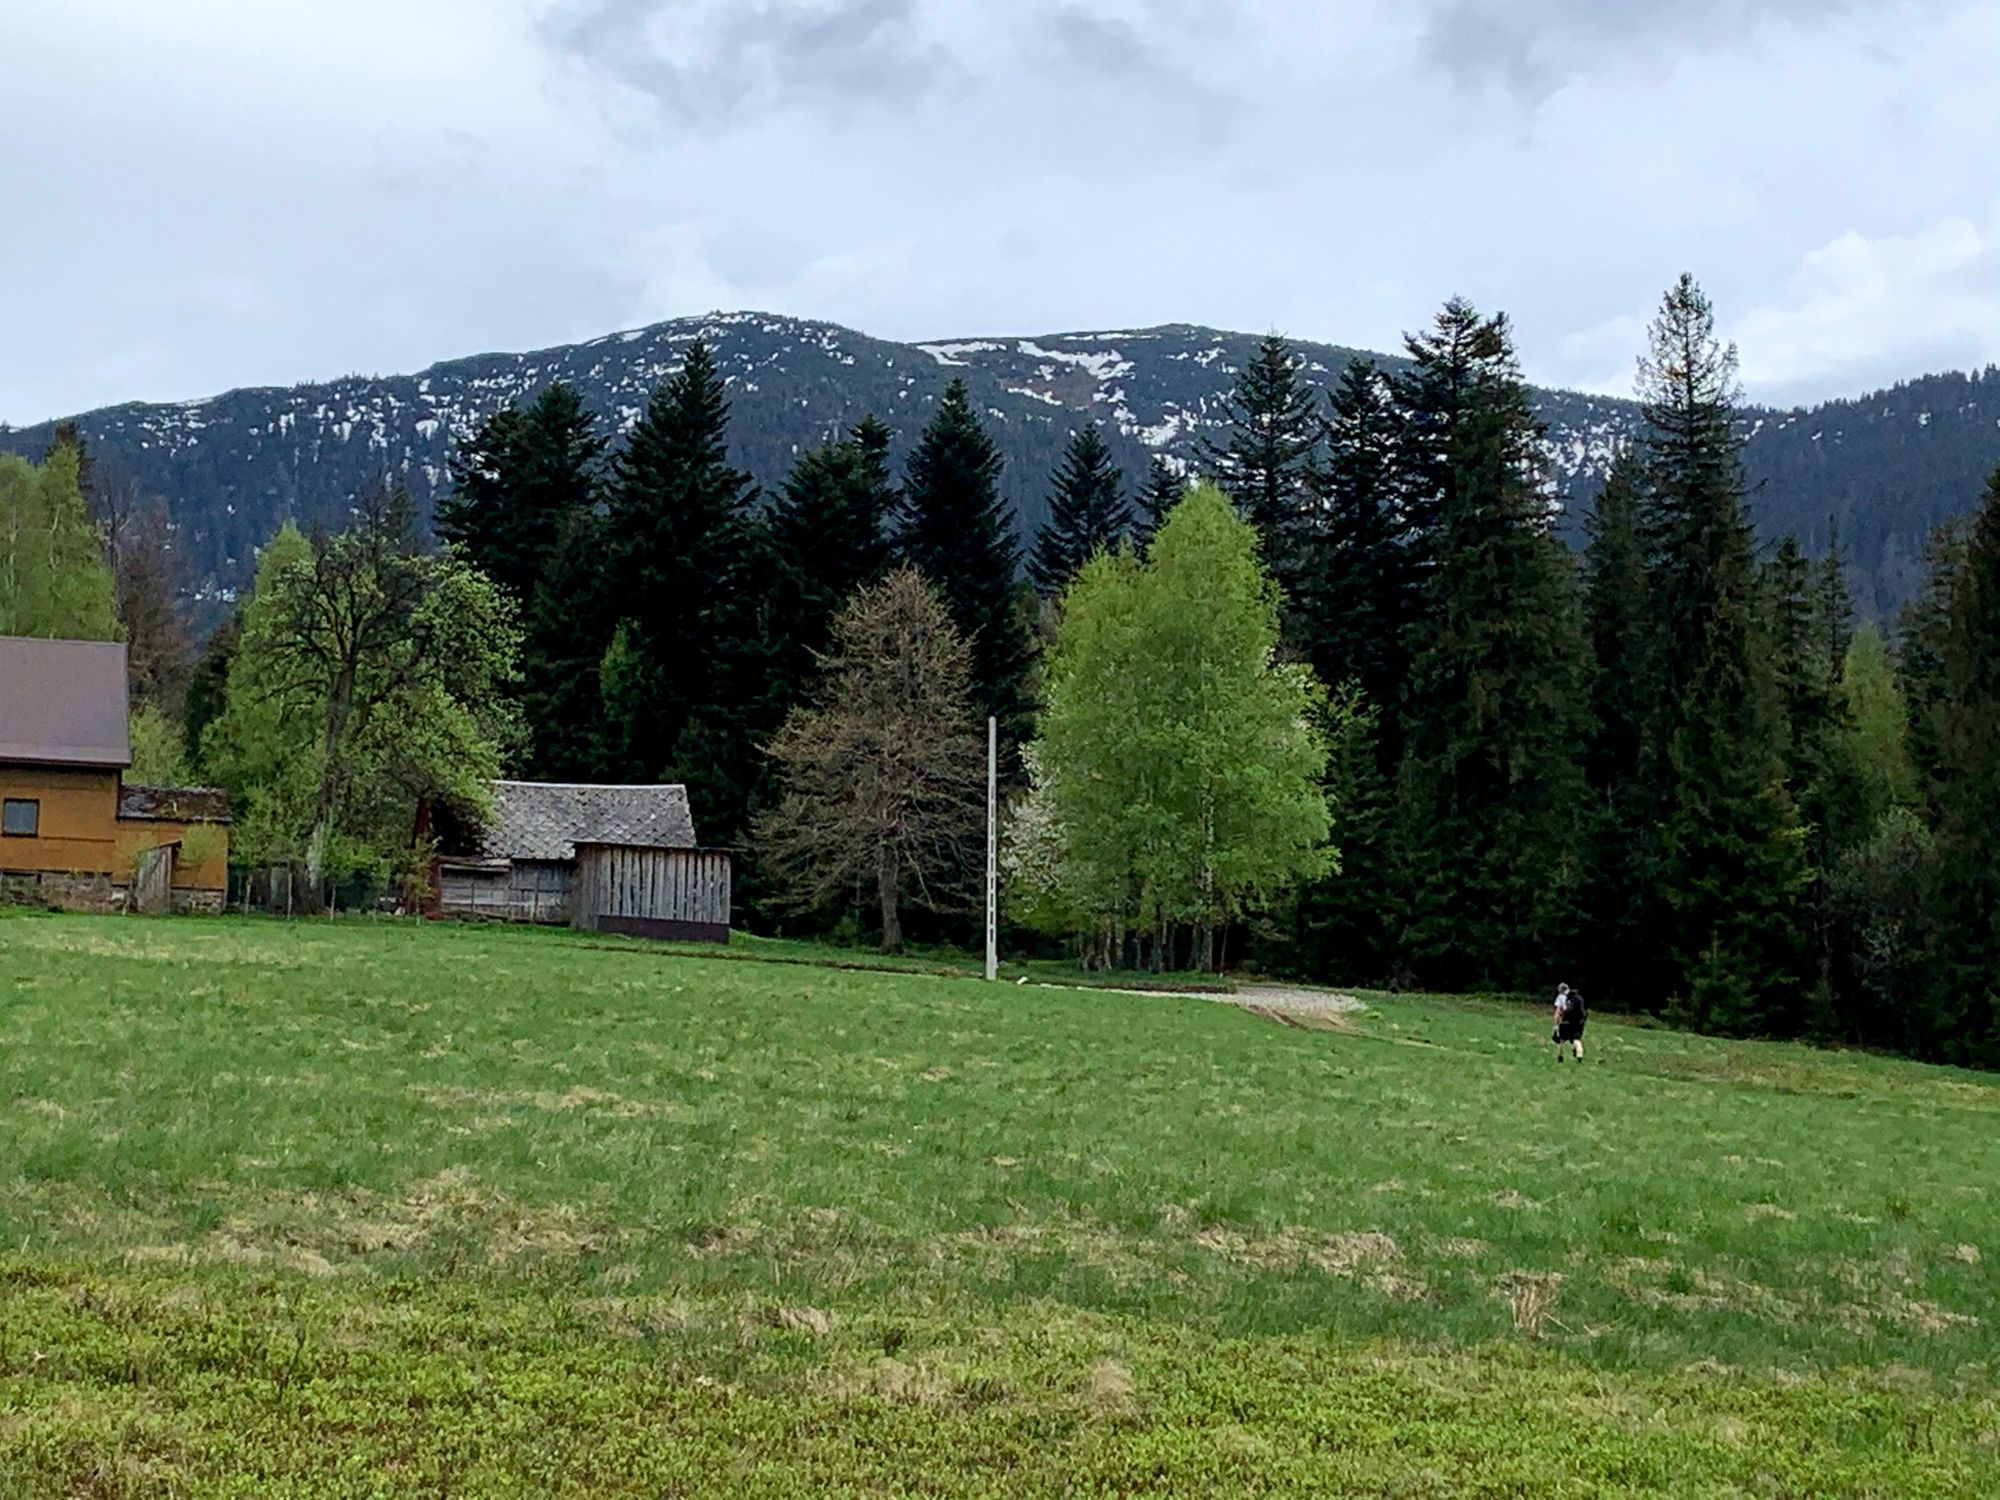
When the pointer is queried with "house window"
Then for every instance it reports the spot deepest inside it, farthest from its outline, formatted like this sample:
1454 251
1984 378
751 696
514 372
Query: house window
20 817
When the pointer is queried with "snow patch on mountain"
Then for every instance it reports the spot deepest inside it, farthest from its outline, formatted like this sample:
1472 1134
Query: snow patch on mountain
947 354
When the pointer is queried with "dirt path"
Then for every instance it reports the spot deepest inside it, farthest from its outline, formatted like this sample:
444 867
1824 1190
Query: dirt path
1274 1000
1292 999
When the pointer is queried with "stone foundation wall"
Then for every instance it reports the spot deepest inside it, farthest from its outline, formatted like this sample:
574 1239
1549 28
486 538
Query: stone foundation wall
64 890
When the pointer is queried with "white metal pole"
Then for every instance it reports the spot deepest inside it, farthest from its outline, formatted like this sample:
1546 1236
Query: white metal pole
992 848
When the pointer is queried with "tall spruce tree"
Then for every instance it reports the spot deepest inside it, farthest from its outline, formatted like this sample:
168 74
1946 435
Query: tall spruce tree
1618 884
956 531
563 627
1351 621
1269 465
829 531
1165 488
1921 631
685 678
1731 857
1339 928
1811 622
523 509
517 481
1490 782
1356 597
1088 511
1967 1017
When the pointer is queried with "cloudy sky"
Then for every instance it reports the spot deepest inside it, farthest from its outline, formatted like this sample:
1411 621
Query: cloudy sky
213 193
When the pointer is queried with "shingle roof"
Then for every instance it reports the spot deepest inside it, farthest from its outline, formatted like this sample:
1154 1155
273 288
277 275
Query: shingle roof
546 819
173 804
62 703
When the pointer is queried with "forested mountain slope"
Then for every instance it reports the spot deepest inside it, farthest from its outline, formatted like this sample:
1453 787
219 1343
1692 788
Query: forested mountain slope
1885 467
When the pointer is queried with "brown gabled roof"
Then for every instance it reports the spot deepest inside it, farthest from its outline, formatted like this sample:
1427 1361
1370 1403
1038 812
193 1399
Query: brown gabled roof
173 804
62 703
547 820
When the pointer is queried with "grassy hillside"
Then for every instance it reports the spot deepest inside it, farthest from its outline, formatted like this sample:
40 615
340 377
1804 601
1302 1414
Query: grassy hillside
367 1208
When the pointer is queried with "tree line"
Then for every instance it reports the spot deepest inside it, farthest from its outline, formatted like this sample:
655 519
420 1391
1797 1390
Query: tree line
1349 708
1671 770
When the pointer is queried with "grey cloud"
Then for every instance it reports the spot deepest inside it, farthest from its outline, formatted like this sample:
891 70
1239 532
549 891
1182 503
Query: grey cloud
1110 49
836 57
1109 45
1533 47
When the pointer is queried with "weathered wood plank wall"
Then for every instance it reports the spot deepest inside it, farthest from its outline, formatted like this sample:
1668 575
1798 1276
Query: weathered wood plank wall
648 892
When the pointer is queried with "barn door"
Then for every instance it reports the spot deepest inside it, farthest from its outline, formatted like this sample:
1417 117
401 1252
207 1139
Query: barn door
153 880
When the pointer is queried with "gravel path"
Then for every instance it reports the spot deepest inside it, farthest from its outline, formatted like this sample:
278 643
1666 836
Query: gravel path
1285 999
1293 999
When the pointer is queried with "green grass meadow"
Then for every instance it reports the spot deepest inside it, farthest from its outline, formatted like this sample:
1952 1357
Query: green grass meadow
359 1208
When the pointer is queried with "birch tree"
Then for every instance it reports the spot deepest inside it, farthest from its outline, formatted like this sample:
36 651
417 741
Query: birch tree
1181 761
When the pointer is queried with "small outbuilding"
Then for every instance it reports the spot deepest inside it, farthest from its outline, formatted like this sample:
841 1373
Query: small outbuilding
606 858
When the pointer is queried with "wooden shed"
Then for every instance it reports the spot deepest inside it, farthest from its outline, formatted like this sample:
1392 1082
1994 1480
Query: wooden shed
521 865
646 890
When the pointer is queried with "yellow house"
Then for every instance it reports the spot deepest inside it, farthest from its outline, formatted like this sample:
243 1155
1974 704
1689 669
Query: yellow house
72 833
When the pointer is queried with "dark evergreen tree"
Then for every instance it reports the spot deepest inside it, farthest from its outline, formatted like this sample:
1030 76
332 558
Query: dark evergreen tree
1356 599
523 508
1809 621
1088 511
1731 862
1339 928
516 483
1270 463
1164 489
1618 614
956 531
563 635
1922 630
686 679
1490 781
1967 1012
829 536
1620 849
477 514
208 684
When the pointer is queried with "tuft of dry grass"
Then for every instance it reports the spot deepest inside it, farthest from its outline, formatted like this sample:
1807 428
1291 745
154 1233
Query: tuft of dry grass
1531 1298
1110 1389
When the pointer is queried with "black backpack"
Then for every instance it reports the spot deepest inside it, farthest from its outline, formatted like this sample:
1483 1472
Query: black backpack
1576 1010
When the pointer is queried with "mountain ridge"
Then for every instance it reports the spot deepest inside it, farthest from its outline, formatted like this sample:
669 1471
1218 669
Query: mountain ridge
1883 467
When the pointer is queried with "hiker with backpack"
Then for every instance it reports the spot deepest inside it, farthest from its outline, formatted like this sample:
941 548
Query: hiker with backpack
1569 1021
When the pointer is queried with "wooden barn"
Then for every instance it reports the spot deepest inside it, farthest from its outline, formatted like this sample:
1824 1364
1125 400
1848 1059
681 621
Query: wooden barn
606 858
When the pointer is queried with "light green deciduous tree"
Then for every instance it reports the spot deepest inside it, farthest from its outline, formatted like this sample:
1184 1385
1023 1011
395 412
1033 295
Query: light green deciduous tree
54 581
1179 766
371 677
